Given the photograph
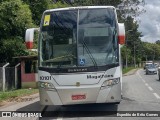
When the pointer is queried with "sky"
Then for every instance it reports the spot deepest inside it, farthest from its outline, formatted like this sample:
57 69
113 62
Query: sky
149 22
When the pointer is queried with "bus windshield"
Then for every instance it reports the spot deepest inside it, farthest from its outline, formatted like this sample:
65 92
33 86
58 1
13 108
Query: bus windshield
73 38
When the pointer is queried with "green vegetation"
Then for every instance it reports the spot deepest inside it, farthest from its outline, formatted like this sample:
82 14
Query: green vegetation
15 17
125 70
16 93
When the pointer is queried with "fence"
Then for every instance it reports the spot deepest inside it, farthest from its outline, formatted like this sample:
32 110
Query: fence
1 78
10 77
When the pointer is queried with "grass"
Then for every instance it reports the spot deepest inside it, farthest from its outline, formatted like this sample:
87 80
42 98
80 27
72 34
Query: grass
16 93
125 70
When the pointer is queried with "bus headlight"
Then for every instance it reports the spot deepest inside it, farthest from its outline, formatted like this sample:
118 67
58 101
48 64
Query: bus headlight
110 82
46 85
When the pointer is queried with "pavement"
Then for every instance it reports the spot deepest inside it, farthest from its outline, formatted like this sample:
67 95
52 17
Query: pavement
131 72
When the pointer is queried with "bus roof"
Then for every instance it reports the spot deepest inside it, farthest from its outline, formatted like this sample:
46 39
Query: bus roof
79 7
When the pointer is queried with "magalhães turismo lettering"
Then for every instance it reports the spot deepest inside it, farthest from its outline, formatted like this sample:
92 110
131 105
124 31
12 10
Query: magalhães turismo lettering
98 76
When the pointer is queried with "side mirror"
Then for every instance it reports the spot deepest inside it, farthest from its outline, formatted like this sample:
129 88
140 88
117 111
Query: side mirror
121 33
29 36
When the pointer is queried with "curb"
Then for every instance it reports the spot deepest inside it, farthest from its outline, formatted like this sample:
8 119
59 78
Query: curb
132 72
24 98
17 100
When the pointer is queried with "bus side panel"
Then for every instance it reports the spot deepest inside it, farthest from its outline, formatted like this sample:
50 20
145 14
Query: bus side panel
46 99
102 96
114 94
110 94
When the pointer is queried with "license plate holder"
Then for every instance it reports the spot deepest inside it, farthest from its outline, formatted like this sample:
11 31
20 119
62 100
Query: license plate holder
78 97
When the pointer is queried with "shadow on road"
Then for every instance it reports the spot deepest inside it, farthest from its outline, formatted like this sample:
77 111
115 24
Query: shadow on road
89 110
72 111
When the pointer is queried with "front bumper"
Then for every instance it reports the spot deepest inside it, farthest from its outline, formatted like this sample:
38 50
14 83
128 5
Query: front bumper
63 95
151 72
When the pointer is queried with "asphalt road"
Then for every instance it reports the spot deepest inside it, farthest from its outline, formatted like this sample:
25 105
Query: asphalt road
141 95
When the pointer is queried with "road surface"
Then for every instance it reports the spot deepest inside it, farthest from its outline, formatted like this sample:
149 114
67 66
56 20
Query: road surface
141 95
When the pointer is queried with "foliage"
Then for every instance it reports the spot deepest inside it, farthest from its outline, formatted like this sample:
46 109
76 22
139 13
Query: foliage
133 45
126 52
39 6
11 47
15 17
158 42
151 51
59 4
126 70
131 8
97 2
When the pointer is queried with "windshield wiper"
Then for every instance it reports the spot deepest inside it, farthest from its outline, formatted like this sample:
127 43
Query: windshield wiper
90 54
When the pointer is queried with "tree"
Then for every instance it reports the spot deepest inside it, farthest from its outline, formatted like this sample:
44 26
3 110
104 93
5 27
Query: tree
131 8
158 42
15 17
11 47
133 40
39 6
151 51
126 6
126 52
96 2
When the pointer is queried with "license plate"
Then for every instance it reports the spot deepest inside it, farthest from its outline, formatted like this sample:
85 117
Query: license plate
78 97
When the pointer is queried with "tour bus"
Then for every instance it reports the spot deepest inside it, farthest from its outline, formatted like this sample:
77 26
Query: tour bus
79 59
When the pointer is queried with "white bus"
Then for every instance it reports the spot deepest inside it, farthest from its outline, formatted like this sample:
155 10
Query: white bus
79 58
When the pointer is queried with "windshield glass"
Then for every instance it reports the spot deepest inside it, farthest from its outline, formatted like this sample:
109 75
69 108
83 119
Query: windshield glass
97 44
66 41
150 66
58 39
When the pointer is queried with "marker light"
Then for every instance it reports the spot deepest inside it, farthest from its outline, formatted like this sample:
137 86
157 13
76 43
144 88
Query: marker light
110 83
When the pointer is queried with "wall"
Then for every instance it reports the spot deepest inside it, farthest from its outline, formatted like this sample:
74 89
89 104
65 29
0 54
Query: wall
28 79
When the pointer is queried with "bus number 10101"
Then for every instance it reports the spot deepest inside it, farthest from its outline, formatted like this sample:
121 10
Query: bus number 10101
45 77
